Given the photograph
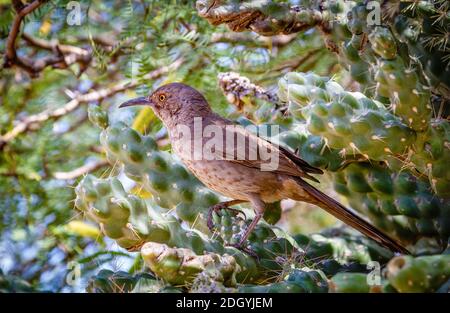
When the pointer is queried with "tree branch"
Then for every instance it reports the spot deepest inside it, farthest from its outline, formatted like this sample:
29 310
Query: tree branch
77 100
22 11
10 49
62 55
54 45
249 39
82 170
26 123
252 15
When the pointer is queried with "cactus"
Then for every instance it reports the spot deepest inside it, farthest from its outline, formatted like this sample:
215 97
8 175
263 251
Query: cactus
155 171
423 29
137 224
131 222
107 281
342 246
408 97
353 131
397 202
350 122
264 17
182 257
238 89
433 155
404 274
121 217
421 26
180 266
349 282
313 149
385 147
298 281
422 274
186 259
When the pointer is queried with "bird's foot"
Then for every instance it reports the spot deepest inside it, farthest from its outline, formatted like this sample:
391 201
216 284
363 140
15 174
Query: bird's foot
216 208
240 246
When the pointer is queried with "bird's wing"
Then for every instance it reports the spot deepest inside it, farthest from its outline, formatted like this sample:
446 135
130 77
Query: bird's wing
252 151
305 166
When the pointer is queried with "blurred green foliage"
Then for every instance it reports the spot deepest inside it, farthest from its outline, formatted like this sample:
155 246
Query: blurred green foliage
121 49
126 39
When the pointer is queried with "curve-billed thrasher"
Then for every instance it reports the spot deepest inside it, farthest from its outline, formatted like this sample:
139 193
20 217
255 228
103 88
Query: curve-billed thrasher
237 170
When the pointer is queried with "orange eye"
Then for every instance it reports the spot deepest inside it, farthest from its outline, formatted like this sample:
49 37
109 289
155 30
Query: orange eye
162 98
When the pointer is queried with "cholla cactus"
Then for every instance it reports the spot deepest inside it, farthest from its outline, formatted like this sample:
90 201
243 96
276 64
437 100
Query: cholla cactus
238 89
422 26
385 147
404 274
264 17
107 281
422 274
358 130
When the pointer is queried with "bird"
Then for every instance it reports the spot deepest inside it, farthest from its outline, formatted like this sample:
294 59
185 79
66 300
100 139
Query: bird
241 172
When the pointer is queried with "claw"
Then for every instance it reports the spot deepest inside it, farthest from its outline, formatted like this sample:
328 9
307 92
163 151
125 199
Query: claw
216 208
209 220
236 212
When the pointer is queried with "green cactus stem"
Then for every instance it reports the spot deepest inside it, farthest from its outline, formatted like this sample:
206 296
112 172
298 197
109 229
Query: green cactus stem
421 274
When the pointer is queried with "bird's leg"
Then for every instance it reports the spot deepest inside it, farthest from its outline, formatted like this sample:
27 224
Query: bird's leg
250 228
220 206
241 245
259 207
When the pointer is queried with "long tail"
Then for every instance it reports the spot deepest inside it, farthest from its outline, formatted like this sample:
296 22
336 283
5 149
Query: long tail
348 217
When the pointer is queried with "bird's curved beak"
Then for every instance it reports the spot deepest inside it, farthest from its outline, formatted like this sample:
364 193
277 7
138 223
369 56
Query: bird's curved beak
137 101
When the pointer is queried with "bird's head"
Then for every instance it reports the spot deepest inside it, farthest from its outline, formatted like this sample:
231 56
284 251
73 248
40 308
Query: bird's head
174 103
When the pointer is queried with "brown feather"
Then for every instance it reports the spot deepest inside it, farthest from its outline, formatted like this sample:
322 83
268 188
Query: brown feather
289 163
342 213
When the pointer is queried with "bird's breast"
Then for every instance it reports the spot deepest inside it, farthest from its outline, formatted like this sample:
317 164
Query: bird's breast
236 181
229 178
